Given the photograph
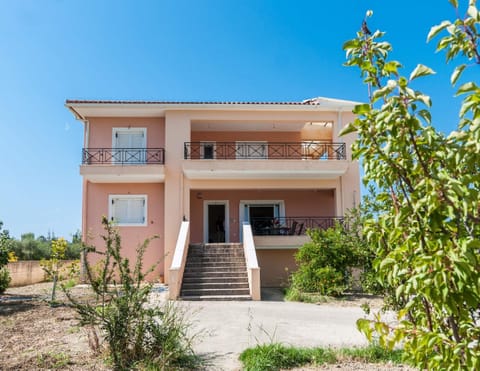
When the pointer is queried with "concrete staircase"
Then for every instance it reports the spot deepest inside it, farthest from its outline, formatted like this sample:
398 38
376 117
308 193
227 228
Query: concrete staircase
215 271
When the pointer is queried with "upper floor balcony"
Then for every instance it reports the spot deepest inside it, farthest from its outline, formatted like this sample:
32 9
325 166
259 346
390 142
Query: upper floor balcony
123 165
309 159
253 150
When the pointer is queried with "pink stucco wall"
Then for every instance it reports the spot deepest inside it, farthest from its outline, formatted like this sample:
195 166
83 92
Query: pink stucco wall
101 130
97 206
269 136
276 266
297 203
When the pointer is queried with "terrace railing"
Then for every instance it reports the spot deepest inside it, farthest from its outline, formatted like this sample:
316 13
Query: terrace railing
305 150
123 156
291 226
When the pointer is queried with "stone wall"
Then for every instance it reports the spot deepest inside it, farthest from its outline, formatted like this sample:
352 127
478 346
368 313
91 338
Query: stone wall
26 272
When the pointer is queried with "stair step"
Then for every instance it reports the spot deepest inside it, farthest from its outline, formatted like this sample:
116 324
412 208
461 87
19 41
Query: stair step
215 279
208 291
217 297
216 259
213 267
214 274
214 285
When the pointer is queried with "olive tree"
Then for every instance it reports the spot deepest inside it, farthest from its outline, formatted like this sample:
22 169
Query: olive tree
427 230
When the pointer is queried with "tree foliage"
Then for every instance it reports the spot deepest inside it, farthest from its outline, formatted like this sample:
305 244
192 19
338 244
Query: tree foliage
427 228
55 266
30 247
6 243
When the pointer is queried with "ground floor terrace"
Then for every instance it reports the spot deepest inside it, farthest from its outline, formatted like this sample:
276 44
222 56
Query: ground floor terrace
279 220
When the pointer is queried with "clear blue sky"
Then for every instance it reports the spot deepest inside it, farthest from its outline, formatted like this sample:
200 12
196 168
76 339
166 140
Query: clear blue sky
261 50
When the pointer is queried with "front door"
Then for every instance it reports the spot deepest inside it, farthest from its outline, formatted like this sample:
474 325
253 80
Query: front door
216 222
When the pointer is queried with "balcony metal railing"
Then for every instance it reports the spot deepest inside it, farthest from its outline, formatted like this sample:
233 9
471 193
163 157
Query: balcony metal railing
291 226
306 150
123 156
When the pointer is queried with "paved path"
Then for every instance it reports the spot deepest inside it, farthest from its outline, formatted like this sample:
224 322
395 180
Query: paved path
230 327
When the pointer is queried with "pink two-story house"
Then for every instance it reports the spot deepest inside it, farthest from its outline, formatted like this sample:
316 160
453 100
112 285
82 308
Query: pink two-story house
225 176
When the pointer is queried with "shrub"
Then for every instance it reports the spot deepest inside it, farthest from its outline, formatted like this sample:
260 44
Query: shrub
137 335
4 279
324 280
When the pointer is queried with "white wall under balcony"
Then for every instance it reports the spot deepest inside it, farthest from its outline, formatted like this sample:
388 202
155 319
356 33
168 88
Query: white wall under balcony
123 173
264 169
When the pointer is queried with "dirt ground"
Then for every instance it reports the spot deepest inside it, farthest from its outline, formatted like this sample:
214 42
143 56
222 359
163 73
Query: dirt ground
35 336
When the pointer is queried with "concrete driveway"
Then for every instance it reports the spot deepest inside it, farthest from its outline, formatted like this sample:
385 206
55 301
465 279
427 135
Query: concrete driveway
227 328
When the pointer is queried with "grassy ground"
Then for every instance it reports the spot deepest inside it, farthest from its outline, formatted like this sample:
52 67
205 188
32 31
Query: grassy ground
278 356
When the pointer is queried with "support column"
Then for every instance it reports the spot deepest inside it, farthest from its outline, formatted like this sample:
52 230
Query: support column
177 132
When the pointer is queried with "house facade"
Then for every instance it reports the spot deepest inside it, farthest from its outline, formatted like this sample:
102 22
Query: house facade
211 169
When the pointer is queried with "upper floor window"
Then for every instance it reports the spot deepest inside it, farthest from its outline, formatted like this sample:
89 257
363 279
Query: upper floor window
128 210
129 145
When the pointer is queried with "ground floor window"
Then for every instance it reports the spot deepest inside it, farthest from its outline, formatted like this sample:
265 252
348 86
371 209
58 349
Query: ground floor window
128 210
261 214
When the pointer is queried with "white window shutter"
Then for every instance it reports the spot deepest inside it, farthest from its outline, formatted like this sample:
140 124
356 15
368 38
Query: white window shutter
128 210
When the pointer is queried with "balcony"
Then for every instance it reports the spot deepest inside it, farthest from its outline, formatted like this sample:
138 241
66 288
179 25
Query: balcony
265 160
123 156
123 165
307 150
291 226
287 232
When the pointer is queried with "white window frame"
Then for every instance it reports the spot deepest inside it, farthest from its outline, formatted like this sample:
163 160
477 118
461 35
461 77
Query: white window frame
130 196
245 204
239 143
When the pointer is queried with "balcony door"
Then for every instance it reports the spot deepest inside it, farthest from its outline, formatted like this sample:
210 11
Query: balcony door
260 213
128 145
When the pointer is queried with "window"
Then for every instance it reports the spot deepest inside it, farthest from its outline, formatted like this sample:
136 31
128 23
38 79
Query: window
128 210
129 145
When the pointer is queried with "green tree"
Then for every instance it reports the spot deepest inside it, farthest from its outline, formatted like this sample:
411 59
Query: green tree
6 245
31 248
53 265
427 228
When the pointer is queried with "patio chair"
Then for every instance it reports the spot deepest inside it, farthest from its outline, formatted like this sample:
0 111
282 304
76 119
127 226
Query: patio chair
300 229
292 228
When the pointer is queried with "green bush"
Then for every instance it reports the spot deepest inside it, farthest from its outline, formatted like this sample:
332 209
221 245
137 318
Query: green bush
324 280
4 279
